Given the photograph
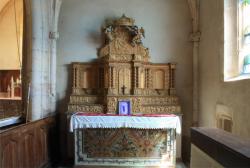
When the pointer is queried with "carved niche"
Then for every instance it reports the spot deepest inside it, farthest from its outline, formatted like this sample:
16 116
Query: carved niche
123 72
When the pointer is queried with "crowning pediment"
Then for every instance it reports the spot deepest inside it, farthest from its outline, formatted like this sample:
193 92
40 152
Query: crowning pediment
123 42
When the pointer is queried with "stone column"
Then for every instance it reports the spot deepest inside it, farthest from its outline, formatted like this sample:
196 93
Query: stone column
195 38
54 35
43 73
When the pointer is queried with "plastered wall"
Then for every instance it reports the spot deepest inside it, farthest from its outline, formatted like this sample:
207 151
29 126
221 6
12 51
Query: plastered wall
11 27
213 91
167 24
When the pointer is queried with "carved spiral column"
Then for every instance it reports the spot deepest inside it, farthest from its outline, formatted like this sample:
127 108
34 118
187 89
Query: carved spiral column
114 81
76 79
166 79
142 78
101 77
150 83
106 77
109 79
134 78
146 78
172 84
138 77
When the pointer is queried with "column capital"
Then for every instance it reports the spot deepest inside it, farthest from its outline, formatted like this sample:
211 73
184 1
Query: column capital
195 37
54 35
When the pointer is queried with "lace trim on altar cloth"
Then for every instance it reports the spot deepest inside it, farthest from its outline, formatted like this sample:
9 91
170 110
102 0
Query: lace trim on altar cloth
111 121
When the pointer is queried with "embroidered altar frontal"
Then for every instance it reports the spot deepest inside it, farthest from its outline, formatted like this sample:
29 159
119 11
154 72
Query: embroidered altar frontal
114 140
125 147
125 143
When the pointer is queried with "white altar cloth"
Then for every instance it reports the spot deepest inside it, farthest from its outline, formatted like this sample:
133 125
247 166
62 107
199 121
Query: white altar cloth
79 120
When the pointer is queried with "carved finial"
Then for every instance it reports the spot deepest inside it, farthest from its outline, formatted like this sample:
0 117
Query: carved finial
124 21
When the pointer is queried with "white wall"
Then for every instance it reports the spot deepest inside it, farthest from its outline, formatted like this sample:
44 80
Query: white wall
167 24
213 91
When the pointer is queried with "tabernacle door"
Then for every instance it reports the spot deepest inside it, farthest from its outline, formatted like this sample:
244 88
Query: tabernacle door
124 81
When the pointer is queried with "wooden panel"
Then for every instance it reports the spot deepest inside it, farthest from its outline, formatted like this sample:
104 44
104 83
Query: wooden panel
227 149
27 148
42 145
26 145
10 154
158 82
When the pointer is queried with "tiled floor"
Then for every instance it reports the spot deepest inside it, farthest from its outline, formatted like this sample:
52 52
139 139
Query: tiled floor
178 165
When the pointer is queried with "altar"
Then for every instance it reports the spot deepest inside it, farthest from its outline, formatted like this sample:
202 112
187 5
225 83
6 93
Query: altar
115 140
123 108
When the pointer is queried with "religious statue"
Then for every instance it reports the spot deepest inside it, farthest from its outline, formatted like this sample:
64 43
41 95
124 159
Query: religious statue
109 33
137 39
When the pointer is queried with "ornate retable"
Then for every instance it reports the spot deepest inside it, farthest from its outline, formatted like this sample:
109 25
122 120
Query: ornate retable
123 73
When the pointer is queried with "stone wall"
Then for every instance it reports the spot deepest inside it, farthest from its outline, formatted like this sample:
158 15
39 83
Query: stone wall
213 90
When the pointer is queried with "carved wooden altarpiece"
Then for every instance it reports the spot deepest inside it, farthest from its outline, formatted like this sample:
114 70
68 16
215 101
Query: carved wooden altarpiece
122 72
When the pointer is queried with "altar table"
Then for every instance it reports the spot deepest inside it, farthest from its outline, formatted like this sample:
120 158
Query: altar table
115 140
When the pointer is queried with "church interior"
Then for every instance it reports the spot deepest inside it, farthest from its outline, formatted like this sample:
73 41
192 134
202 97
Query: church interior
114 83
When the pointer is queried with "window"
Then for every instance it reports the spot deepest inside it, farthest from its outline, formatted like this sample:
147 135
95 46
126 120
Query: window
244 35
236 40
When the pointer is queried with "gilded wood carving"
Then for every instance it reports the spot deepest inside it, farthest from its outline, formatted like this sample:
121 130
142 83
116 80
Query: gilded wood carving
123 72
